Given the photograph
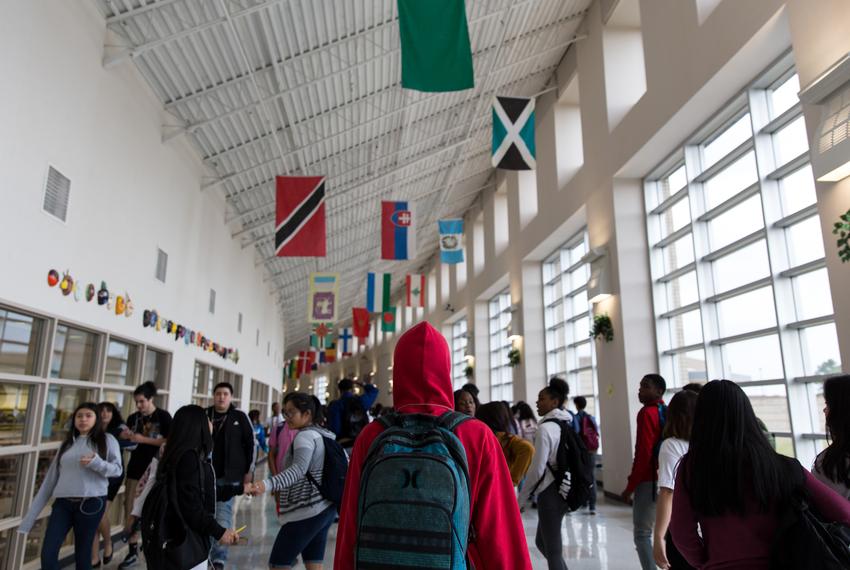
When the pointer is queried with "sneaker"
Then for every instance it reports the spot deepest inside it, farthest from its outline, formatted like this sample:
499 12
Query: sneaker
593 511
218 565
132 557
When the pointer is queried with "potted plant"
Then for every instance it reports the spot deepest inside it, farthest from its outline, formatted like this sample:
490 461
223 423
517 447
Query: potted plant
469 371
514 357
842 230
602 327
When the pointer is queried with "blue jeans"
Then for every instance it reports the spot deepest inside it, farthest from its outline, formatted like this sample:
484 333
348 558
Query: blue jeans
307 537
224 517
81 515
643 517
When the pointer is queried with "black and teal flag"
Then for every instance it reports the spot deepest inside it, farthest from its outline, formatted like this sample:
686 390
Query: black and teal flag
435 50
513 133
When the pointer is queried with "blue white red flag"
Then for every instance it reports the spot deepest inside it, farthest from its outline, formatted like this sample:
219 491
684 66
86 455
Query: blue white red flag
398 233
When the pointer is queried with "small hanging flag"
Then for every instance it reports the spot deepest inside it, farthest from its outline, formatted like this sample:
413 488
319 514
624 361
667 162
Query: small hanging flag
415 291
361 323
451 241
330 353
320 337
378 291
435 49
513 133
300 217
398 234
388 320
306 358
346 341
321 298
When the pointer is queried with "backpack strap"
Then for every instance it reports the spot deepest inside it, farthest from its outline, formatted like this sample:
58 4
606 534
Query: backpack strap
451 420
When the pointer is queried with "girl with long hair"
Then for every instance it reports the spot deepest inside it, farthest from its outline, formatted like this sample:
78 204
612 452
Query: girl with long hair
77 480
832 466
307 515
518 452
732 485
526 419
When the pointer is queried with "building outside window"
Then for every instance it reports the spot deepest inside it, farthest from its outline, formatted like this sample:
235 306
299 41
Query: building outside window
460 341
501 373
738 262
567 317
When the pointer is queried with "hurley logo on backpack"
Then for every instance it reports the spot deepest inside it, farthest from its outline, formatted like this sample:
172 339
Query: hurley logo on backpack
414 504
573 470
334 468
588 432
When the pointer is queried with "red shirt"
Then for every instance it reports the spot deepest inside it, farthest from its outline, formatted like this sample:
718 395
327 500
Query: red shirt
645 465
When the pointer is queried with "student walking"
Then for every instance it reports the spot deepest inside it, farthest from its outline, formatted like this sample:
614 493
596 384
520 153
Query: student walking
588 429
78 481
642 480
734 486
422 385
148 428
232 459
526 419
348 415
307 515
832 465
677 433
465 402
551 507
259 432
518 452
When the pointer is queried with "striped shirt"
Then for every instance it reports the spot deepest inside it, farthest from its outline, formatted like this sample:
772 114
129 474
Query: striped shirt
299 498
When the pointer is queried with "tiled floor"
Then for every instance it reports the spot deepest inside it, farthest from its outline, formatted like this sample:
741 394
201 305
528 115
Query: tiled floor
601 542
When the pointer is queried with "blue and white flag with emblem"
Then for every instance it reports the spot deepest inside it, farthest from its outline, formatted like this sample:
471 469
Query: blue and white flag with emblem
451 241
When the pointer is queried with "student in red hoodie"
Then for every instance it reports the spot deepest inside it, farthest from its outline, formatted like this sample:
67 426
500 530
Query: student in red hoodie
644 474
422 384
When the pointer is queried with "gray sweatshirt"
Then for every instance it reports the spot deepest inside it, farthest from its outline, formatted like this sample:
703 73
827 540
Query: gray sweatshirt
74 480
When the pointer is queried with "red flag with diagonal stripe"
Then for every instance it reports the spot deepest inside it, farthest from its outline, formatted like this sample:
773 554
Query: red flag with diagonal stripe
300 220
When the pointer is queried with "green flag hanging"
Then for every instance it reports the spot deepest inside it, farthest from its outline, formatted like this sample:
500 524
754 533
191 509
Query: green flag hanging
388 320
435 49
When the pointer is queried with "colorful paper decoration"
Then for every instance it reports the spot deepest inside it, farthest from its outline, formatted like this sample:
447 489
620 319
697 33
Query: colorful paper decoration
103 294
67 284
52 278
90 292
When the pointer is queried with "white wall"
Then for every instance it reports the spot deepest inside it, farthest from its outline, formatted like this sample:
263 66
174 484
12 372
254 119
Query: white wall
130 194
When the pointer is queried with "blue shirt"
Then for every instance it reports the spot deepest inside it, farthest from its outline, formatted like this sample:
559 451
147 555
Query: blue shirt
370 394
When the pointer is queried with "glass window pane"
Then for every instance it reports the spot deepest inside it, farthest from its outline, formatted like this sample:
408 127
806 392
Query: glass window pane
753 359
784 446
805 241
582 382
797 190
672 184
121 363
741 267
156 369
784 96
581 356
682 291
689 367
739 222
685 329
42 465
812 296
14 408
73 354
739 175
678 254
61 403
820 350
675 217
727 141
122 400
770 403
790 142
20 337
748 312
10 477
816 405
36 537
581 329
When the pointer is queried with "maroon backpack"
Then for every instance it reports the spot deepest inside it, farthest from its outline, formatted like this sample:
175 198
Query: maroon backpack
588 432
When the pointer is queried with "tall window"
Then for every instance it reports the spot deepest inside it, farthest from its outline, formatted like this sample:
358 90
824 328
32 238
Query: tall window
737 256
259 399
320 388
501 373
567 317
459 344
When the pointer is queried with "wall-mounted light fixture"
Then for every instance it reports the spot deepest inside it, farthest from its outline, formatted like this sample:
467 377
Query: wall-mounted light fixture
830 151
470 359
599 285
514 339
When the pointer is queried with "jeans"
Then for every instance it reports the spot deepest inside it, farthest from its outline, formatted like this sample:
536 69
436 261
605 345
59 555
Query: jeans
224 517
307 537
643 516
83 516
551 509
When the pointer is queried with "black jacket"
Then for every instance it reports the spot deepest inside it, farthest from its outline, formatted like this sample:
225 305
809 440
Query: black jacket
197 508
238 446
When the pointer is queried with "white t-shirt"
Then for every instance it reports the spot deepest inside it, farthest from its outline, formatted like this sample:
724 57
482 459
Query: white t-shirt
672 451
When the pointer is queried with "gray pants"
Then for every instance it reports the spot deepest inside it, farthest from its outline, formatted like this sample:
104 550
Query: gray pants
643 516
551 509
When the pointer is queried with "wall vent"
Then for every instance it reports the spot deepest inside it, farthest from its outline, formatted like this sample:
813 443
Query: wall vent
57 192
239 324
212 301
161 264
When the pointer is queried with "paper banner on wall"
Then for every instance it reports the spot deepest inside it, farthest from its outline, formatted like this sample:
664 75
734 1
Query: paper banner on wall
451 241
322 297
513 133
300 216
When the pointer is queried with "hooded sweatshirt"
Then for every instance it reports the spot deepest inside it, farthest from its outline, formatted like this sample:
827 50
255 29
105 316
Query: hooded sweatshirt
422 384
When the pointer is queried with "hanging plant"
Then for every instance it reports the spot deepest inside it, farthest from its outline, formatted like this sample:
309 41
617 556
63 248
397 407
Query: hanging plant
469 372
602 327
514 357
842 230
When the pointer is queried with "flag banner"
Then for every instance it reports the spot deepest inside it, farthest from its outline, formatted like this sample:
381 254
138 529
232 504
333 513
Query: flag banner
513 133
330 353
300 219
435 49
388 320
398 234
415 291
346 341
321 298
321 336
361 323
378 291
451 241
306 358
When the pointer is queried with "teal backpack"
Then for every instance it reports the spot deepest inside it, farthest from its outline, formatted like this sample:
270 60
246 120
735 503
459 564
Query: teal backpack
414 505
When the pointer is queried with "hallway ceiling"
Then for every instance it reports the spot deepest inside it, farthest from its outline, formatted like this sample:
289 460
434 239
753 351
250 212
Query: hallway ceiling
275 87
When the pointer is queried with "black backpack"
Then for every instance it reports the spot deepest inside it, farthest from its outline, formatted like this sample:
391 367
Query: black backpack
166 539
354 419
334 469
803 541
573 471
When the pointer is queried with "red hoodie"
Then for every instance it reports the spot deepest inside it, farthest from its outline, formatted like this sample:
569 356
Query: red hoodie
422 384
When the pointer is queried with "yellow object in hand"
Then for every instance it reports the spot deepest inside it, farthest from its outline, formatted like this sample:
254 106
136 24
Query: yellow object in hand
238 530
